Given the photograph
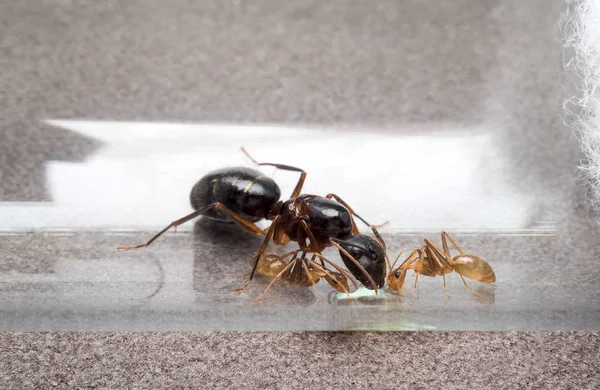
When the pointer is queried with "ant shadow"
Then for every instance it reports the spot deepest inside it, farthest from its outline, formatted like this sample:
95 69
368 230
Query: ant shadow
223 253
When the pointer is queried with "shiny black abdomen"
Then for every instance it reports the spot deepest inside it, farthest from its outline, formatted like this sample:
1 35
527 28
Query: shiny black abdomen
244 191
328 218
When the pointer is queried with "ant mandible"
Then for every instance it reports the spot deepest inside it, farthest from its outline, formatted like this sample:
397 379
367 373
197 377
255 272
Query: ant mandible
430 260
248 196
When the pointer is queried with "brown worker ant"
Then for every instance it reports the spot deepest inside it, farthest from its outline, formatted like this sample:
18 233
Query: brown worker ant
430 260
300 271
247 196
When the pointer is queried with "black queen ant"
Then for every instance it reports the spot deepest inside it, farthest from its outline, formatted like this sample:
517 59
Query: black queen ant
246 196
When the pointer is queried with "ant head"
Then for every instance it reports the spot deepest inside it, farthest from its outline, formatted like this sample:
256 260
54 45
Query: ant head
369 254
396 278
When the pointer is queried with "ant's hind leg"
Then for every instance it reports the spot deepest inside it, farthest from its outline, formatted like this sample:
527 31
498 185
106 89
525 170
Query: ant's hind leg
445 244
247 225
466 285
173 224
300 183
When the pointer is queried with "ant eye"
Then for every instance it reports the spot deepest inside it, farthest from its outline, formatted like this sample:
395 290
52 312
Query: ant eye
372 253
397 274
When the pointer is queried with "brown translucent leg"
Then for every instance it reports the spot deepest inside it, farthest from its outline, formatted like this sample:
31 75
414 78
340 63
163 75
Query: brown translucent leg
446 235
418 269
285 168
249 226
237 276
327 273
290 265
362 269
442 258
442 267
313 246
409 258
337 268
261 251
312 281
466 285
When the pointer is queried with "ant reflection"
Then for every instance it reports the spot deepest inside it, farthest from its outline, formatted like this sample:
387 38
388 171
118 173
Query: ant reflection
220 252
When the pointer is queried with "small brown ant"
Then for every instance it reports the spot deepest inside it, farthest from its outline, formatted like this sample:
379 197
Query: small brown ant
247 196
430 260
300 271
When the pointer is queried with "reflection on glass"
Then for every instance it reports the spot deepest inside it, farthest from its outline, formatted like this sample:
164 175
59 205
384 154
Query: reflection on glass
142 176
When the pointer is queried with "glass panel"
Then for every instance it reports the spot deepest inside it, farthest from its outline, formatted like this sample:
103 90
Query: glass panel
430 115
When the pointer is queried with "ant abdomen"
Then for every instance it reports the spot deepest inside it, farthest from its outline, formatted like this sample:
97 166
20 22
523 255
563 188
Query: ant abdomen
271 265
245 191
474 267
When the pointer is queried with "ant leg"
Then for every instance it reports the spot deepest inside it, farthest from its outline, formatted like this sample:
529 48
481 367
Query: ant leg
444 235
391 266
313 241
172 224
285 168
327 273
346 205
439 262
261 251
312 281
445 288
337 268
418 269
466 285
279 275
443 259
249 226
237 277
409 258
415 286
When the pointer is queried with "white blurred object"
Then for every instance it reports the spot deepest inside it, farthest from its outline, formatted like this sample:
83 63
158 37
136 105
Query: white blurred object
141 178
